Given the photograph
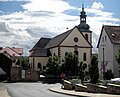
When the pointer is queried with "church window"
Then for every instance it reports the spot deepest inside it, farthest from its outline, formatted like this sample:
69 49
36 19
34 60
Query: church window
75 39
39 65
84 56
86 36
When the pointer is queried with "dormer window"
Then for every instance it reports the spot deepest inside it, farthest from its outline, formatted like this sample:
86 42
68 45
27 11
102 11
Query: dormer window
113 35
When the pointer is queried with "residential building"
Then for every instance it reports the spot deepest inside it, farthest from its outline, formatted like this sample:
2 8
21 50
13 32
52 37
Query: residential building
108 45
8 56
77 40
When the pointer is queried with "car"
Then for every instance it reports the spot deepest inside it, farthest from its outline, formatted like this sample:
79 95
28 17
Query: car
115 80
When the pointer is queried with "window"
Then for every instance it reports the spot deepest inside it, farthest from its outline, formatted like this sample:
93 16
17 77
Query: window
86 36
39 66
105 38
84 56
75 39
102 39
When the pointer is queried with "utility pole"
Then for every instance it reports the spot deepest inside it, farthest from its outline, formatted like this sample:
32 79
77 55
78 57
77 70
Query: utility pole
103 65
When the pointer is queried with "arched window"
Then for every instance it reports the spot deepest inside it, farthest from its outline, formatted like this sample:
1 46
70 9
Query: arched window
39 66
84 56
86 36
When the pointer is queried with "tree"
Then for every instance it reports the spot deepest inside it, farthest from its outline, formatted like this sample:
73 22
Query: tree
118 57
109 74
81 70
52 66
70 64
93 70
24 62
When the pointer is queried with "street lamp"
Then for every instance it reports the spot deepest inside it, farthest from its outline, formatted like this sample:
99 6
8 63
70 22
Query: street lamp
103 65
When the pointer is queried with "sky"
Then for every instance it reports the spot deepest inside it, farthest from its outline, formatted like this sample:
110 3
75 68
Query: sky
24 22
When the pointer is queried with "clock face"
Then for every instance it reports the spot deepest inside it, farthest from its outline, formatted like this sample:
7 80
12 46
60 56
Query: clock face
75 39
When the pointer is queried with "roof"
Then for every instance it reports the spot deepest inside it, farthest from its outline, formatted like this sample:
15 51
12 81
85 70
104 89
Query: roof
54 42
41 43
113 33
38 48
39 53
12 51
18 50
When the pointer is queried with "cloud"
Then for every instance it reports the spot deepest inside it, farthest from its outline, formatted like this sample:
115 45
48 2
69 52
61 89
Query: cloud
47 5
47 18
97 5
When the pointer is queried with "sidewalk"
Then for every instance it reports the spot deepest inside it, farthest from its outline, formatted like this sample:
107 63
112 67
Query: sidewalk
83 94
3 90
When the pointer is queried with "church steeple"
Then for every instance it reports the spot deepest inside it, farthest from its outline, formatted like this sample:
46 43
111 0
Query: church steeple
83 25
83 15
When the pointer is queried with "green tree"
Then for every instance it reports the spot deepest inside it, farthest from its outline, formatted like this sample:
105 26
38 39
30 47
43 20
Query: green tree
52 66
93 70
118 57
109 74
24 62
81 70
70 64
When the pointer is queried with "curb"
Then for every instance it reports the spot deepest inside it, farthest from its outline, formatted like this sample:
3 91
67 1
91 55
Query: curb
55 89
80 94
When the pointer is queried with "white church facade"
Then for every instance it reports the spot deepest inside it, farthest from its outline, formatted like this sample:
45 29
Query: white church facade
77 40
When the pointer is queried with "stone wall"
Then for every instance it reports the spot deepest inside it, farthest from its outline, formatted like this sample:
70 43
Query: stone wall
80 88
114 89
96 88
15 73
29 75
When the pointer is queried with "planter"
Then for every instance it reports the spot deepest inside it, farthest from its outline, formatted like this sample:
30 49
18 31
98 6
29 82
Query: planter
67 85
96 88
80 88
113 89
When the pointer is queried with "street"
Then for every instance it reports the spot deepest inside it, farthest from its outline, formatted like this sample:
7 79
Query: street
33 90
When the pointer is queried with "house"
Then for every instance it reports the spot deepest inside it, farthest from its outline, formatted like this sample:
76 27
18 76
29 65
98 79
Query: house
108 45
8 56
77 40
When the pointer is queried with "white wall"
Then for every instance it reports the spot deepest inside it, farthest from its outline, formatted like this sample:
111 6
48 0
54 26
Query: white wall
68 46
42 60
108 52
116 65
69 41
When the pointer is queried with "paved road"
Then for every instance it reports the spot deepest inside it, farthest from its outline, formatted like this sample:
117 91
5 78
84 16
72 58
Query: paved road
3 90
32 90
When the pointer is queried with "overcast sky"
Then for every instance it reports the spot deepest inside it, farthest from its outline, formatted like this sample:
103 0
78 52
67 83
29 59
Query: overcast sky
24 22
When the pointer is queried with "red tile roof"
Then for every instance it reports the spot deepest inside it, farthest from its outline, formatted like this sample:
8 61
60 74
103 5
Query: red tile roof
17 52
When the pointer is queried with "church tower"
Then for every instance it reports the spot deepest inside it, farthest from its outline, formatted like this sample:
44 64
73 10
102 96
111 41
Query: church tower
83 26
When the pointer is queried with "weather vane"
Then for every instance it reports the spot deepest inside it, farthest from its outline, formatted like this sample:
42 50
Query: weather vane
82 4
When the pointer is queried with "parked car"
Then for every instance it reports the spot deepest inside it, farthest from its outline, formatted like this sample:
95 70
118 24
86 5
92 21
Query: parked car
115 80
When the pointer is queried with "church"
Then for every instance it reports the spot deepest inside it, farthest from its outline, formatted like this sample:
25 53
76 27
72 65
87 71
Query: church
77 40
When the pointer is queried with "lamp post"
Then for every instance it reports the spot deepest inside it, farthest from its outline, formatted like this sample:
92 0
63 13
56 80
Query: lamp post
103 65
